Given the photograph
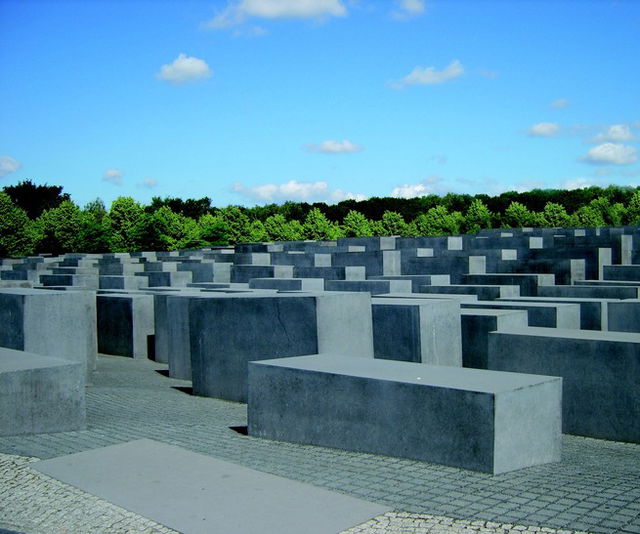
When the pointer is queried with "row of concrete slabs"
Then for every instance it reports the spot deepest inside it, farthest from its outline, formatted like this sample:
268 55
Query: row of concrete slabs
396 346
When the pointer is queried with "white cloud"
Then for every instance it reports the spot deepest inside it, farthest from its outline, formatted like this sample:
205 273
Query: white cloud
544 129
408 9
113 176
149 182
577 183
612 153
297 191
488 73
237 12
429 75
8 165
333 147
426 187
615 132
184 69
559 103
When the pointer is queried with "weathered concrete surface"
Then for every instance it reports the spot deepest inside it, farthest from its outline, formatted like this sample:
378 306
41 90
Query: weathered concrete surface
40 394
468 418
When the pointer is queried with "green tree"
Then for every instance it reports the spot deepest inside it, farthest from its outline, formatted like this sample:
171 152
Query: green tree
356 225
124 219
257 232
94 231
393 223
61 229
15 237
438 221
318 227
35 199
279 229
554 215
633 209
517 215
238 223
214 230
588 216
477 217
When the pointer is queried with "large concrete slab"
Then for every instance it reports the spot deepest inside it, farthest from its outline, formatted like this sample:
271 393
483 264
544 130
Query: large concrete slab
466 418
196 494
40 394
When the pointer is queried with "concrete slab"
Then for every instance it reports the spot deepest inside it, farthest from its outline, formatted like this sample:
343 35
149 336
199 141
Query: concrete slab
197 494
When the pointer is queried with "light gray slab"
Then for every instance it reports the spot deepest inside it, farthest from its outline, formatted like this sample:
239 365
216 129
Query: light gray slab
194 494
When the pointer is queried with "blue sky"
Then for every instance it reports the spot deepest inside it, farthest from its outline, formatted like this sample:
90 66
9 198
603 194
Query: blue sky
257 101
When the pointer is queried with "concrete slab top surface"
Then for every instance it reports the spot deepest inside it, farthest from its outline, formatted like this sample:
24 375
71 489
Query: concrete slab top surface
597 335
406 302
427 296
462 378
17 360
489 312
196 494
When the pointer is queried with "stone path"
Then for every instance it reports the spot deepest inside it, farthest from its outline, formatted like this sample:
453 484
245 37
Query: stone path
595 488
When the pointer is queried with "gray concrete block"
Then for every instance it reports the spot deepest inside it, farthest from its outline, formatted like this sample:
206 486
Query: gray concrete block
600 371
483 292
50 323
476 325
466 418
624 316
226 332
593 312
417 330
374 287
418 280
125 323
545 314
288 284
197 494
590 292
40 394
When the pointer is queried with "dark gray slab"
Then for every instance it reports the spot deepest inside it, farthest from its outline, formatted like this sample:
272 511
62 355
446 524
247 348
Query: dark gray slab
197 494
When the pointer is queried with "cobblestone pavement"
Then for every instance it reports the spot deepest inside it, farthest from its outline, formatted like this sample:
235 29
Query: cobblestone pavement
595 488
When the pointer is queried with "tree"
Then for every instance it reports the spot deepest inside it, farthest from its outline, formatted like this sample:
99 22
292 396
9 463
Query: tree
94 231
61 229
554 215
438 221
257 232
214 230
35 199
125 214
318 227
237 221
477 218
15 238
633 208
356 225
393 223
517 215
279 229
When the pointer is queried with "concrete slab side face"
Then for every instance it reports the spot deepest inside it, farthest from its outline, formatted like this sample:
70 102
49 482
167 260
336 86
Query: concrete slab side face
12 321
396 333
226 334
528 426
178 340
447 426
441 333
40 394
197 494
142 324
62 324
344 324
115 326
601 383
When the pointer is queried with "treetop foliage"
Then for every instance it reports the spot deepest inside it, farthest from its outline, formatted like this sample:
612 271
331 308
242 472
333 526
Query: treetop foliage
44 219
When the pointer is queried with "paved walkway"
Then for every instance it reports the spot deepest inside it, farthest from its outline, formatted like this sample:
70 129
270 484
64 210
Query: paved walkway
595 488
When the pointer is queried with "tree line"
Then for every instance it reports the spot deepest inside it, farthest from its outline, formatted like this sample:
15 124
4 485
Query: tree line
43 219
